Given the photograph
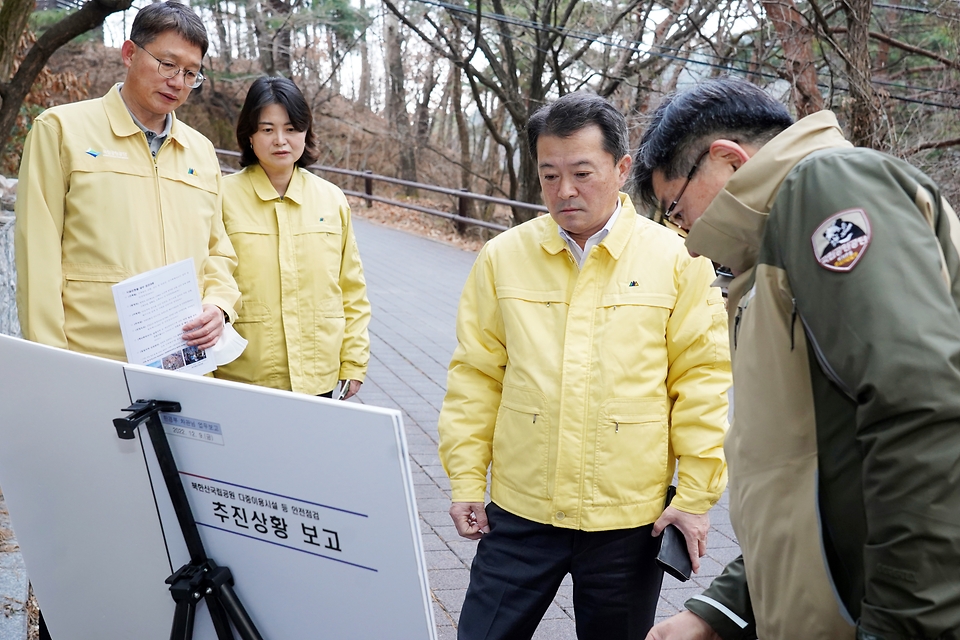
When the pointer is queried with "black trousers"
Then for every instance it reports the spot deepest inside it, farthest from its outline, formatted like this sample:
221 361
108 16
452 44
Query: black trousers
519 566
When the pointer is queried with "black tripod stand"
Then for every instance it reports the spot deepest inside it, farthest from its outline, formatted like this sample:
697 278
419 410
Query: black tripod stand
201 577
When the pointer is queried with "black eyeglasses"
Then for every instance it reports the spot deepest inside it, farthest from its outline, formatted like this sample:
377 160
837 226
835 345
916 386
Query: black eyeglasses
668 214
167 69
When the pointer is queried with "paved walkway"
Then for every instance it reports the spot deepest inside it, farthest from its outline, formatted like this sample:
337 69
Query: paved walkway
414 284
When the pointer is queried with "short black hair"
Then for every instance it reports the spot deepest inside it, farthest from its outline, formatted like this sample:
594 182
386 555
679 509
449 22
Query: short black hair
159 17
574 111
270 90
687 122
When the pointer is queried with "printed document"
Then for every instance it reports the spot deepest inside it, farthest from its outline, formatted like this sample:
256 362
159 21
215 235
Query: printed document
153 308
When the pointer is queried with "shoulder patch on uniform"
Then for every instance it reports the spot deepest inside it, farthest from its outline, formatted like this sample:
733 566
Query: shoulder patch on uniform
842 239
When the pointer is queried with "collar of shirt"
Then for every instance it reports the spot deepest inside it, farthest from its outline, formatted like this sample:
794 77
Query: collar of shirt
154 139
580 255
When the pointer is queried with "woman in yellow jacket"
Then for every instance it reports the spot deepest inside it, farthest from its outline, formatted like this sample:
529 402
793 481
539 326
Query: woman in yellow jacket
305 308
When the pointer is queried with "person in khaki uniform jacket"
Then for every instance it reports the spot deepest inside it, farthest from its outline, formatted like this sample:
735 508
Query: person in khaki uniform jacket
116 186
845 330
592 362
305 309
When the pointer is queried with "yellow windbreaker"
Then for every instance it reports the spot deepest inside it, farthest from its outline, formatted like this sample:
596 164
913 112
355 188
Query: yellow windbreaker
584 388
305 308
93 208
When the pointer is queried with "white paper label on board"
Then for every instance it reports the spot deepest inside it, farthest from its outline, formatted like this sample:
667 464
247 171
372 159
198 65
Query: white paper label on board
203 430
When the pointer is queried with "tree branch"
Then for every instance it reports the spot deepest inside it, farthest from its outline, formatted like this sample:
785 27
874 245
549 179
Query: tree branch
13 93
903 46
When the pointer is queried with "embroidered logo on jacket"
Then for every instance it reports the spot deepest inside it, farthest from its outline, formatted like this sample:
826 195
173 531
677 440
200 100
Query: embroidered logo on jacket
91 152
842 239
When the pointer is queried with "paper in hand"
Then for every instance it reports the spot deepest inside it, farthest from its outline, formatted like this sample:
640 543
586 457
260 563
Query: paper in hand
153 308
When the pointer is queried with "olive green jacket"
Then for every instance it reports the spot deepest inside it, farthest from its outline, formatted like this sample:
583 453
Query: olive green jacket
844 454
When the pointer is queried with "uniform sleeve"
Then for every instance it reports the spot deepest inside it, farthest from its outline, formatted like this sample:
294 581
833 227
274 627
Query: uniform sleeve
697 382
725 604
38 236
887 333
355 350
474 386
219 287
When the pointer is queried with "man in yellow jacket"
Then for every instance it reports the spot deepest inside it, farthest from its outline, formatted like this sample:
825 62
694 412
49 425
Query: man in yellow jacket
592 362
116 186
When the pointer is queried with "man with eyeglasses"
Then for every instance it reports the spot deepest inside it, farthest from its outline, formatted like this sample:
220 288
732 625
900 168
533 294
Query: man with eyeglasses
845 332
116 186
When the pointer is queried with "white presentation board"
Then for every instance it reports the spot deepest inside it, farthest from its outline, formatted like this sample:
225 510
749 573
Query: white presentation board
308 501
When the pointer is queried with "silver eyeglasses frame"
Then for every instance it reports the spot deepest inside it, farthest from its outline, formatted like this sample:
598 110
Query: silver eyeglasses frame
168 69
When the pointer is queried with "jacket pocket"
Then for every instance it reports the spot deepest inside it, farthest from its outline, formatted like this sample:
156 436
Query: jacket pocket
644 299
631 328
253 311
630 464
194 180
320 247
90 313
521 441
260 361
324 345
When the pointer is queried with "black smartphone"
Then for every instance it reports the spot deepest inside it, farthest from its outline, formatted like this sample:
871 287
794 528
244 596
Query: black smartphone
673 557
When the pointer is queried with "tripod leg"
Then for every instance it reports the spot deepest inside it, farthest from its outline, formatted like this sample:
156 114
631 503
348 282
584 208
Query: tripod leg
44 634
183 621
241 620
220 621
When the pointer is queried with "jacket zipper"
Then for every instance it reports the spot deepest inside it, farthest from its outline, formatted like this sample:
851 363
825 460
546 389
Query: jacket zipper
156 183
793 323
822 359
736 326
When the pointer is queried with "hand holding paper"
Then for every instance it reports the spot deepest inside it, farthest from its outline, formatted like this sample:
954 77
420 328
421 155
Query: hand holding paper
156 307
204 331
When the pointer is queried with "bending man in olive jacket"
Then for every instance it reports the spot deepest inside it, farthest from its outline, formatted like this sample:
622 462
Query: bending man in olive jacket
592 358
845 326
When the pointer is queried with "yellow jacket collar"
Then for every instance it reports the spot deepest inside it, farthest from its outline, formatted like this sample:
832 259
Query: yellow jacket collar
122 124
615 242
730 229
265 189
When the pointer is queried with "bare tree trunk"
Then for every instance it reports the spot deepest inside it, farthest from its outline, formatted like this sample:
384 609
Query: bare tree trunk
264 45
14 15
468 208
799 70
423 107
365 83
283 38
397 100
334 64
866 114
883 48
249 30
529 180
226 54
492 162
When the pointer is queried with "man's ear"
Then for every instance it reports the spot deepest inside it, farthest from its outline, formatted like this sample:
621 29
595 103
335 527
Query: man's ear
623 168
127 49
730 152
